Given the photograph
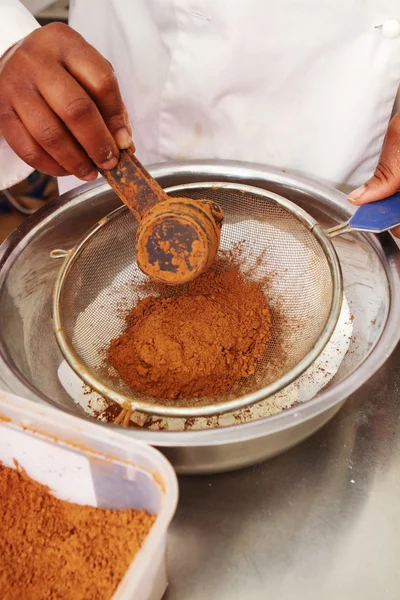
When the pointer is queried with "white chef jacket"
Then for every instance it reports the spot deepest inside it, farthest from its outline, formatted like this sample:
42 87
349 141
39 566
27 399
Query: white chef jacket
304 85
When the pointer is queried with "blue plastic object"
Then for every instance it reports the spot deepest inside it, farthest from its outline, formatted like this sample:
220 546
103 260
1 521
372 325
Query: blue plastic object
378 216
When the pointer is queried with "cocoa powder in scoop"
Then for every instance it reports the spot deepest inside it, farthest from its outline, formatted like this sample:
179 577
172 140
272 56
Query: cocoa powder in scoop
198 344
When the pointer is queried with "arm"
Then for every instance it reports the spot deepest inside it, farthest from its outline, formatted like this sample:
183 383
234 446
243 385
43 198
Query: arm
61 110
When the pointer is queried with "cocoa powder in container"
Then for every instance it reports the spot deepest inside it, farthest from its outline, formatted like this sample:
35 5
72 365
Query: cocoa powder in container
197 344
52 549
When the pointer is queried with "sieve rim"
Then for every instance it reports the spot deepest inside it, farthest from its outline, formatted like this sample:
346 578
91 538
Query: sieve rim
155 409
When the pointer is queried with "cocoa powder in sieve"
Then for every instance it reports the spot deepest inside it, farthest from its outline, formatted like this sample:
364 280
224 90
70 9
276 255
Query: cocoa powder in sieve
51 549
200 343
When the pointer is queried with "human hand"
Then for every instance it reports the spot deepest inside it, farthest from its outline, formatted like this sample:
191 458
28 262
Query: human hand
60 105
386 179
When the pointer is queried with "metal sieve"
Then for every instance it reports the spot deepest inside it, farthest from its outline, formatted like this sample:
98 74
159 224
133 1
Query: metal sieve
278 244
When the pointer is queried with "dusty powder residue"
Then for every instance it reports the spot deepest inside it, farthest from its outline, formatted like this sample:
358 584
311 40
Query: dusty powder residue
200 343
50 549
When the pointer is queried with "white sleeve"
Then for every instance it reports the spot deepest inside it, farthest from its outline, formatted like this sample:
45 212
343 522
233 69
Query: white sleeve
16 22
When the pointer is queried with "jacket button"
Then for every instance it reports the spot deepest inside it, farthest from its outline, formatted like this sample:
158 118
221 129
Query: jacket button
391 29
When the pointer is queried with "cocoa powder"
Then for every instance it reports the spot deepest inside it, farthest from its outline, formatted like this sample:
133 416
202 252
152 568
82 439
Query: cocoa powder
51 549
197 344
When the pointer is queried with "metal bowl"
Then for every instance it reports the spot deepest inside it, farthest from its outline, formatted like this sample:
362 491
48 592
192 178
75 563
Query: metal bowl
29 355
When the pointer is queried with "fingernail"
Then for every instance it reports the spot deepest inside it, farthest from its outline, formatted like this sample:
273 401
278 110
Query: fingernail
122 138
91 176
355 195
109 164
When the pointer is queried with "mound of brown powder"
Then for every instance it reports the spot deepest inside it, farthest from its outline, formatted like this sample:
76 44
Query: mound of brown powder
53 549
199 343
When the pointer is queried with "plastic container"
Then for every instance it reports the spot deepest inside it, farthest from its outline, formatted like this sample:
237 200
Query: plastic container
88 464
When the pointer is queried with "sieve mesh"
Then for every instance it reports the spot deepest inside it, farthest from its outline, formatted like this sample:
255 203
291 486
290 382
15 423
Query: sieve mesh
101 281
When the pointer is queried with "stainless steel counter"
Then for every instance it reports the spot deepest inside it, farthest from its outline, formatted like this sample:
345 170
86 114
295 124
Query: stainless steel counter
321 522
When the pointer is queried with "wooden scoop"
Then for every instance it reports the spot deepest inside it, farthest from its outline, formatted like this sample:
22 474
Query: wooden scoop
177 238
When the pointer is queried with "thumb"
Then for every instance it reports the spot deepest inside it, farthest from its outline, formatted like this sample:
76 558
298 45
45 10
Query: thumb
386 179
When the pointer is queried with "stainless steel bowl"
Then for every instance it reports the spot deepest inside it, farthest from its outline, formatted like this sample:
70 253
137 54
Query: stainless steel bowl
29 355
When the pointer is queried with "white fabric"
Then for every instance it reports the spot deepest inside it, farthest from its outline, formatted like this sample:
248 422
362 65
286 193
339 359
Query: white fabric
307 86
15 23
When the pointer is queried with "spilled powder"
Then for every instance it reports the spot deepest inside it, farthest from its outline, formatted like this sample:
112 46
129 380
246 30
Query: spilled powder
200 343
51 549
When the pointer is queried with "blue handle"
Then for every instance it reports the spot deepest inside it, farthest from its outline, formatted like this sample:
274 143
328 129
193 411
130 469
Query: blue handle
378 216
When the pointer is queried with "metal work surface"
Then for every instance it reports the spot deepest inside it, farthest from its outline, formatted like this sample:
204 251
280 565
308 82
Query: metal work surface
320 522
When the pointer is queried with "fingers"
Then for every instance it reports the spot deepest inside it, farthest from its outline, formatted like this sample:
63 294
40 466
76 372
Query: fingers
61 104
97 77
386 179
80 115
53 137
24 145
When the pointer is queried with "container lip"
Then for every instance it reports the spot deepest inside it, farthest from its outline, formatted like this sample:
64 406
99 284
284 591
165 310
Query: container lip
238 171
16 411
159 409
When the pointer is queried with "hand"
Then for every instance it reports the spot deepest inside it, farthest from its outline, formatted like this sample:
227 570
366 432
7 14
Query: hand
60 104
386 180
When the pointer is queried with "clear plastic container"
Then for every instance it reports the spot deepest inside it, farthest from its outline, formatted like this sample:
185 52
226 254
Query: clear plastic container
89 464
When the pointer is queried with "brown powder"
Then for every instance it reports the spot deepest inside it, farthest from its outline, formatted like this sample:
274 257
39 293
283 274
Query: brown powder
200 343
50 549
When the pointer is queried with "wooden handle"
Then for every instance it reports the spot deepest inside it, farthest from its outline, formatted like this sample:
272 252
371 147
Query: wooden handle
133 184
